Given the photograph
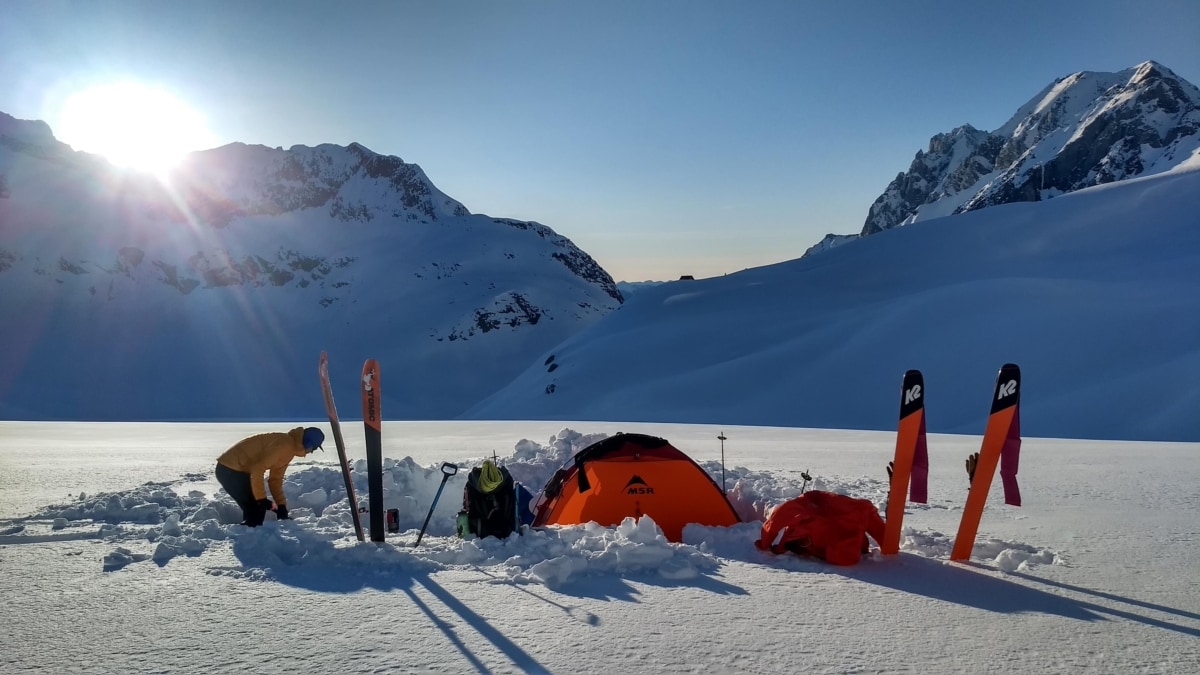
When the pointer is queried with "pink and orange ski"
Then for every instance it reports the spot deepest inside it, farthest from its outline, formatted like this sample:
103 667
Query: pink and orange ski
1001 445
910 468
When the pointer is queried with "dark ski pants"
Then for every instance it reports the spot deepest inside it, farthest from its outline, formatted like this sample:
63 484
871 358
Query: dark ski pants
237 484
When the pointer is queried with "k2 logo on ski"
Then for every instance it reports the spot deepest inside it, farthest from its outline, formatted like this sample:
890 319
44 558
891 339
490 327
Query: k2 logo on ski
1007 389
912 394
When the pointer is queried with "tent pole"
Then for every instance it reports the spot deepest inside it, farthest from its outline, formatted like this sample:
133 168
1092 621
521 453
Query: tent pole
721 436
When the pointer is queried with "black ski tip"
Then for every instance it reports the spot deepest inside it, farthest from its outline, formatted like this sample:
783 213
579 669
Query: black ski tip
912 393
1008 388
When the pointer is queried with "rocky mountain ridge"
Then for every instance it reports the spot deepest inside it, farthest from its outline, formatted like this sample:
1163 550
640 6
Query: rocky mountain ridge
292 251
1082 130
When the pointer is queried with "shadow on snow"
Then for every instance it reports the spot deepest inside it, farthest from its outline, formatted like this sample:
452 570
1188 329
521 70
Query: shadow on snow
973 585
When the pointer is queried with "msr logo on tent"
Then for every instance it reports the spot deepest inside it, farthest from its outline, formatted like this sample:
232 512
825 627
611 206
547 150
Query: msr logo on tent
637 486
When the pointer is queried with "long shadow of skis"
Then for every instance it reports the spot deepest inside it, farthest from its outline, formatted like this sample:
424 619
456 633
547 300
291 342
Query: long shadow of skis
283 561
512 650
1109 596
447 630
588 617
968 585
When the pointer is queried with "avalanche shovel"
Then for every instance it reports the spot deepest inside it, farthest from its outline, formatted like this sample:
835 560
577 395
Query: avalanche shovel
448 470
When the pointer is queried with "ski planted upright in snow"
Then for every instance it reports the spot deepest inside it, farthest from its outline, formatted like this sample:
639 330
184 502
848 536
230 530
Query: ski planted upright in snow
1001 439
372 424
331 411
911 462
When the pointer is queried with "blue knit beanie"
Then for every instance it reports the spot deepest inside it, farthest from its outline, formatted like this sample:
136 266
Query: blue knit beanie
313 438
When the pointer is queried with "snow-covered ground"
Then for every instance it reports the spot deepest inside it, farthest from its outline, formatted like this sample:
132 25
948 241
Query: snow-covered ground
1095 295
118 553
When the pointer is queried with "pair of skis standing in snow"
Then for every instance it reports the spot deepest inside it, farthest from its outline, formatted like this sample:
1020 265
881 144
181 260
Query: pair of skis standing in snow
835 527
372 424
910 468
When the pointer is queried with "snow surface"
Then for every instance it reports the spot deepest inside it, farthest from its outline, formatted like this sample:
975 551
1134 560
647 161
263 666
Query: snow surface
118 553
1095 295
463 301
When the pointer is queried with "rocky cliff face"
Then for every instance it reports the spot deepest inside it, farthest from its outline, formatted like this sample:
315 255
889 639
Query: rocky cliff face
1083 130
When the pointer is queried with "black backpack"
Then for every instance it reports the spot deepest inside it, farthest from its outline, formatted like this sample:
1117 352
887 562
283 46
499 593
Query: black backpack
488 514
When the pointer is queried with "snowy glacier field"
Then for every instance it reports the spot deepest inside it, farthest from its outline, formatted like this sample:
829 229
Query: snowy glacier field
119 554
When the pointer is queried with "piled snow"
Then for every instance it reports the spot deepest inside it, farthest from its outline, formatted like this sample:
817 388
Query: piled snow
153 522
1090 575
1094 295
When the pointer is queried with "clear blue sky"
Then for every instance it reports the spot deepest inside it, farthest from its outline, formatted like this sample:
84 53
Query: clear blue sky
663 137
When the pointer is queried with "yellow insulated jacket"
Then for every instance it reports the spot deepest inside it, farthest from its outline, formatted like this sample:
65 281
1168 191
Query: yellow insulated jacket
261 453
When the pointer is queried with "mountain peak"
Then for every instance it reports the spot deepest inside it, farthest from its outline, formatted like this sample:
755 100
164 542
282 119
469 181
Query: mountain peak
1147 70
1081 130
22 131
261 257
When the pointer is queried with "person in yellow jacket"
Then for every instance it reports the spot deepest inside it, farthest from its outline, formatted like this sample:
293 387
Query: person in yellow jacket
242 468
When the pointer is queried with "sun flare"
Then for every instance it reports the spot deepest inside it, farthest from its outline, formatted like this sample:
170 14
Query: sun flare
133 125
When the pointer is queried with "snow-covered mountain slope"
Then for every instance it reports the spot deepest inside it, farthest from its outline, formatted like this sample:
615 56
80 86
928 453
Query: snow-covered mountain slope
1082 130
211 294
1095 294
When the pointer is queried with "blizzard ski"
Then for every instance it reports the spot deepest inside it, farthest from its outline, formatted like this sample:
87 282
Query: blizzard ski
331 410
911 462
1002 438
374 432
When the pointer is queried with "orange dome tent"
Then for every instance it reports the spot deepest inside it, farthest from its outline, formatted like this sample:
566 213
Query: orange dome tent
633 475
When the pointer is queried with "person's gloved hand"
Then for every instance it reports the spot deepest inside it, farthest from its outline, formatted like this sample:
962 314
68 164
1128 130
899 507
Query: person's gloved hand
281 512
972 462
265 505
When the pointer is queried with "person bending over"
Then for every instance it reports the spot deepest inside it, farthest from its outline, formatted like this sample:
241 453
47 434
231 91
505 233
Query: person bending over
241 469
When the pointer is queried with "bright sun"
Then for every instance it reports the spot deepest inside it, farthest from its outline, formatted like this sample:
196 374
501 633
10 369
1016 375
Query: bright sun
133 125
